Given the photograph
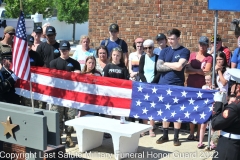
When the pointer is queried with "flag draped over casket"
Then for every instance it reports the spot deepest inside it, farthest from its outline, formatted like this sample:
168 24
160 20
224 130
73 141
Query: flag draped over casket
118 97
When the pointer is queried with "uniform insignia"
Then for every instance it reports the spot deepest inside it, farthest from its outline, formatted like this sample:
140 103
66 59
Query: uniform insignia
113 26
49 30
38 27
225 113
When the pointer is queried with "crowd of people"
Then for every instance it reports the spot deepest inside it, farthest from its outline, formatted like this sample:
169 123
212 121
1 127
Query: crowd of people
166 64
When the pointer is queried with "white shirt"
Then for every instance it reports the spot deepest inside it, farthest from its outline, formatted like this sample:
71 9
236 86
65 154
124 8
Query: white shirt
226 76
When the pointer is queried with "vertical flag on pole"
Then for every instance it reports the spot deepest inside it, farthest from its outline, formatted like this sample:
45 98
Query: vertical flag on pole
21 63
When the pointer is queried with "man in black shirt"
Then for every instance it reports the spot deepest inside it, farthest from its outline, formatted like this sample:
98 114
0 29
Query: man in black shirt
66 63
35 60
49 50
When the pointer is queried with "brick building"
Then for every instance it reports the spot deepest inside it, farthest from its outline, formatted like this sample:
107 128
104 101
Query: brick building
139 18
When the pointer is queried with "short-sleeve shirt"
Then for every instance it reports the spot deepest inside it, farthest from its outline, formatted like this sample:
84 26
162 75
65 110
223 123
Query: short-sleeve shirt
197 80
48 52
173 55
81 55
226 76
134 59
116 71
113 44
236 57
65 64
35 59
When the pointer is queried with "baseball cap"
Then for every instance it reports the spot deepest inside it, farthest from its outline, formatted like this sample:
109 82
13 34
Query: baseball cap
218 38
30 40
204 39
161 36
64 45
114 27
38 29
50 30
9 29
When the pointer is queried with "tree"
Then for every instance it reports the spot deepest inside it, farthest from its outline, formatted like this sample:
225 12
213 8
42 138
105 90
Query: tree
30 7
72 12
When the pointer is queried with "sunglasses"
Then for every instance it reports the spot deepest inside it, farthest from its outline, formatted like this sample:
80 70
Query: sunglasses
117 49
145 48
11 34
50 35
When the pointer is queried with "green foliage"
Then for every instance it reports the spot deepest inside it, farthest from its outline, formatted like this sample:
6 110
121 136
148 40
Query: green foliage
30 7
72 11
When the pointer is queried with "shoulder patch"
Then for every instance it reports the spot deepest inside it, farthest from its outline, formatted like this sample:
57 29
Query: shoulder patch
225 113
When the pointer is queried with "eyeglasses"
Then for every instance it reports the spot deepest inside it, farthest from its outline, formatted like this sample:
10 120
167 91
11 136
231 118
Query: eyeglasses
213 42
220 59
11 34
145 48
117 49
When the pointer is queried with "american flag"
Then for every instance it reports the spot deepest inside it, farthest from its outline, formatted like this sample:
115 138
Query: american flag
171 103
118 97
21 63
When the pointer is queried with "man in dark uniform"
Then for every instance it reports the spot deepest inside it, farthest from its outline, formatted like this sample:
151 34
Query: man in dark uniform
35 60
227 119
66 63
49 50
6 74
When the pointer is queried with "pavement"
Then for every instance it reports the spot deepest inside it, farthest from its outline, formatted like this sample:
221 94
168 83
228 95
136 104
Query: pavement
147 149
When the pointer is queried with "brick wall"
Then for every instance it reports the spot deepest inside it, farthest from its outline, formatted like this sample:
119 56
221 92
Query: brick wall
137 18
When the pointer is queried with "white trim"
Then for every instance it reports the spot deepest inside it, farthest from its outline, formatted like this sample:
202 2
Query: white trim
73 104
81 87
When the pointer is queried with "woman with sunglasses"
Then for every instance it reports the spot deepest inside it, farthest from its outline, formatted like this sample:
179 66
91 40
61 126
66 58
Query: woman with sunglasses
148 71
134 58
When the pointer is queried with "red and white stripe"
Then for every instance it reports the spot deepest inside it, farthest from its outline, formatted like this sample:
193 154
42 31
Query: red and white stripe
21 63
86 92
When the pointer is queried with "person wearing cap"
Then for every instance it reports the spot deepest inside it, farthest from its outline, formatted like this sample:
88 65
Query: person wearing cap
8 80
227 119
134 58
84 51
162 43
37 33
113 41
35 60
199 63
220 47
6 43
65 63
171 63
10 96
49 50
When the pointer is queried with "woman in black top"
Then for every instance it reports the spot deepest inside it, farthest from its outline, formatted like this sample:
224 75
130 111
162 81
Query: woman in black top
116 68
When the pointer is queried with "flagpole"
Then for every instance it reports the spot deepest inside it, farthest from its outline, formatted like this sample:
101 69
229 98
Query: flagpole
30 82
